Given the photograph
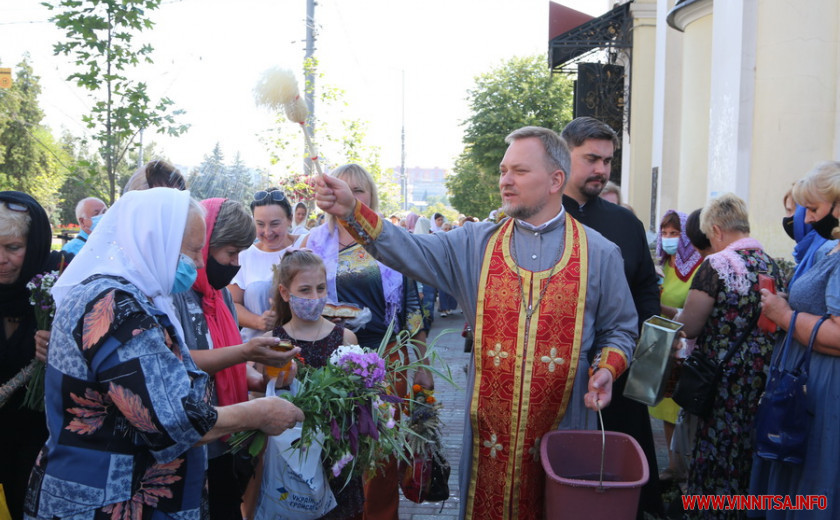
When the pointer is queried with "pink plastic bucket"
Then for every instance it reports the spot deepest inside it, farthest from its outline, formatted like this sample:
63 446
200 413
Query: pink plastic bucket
572 463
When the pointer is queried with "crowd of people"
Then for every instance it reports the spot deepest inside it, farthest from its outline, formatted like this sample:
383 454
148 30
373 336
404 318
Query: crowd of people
168 309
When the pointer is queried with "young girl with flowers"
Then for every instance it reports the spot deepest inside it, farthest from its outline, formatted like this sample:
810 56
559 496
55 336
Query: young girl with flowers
301 293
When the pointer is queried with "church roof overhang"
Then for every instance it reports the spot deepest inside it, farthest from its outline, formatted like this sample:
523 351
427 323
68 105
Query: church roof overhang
608 31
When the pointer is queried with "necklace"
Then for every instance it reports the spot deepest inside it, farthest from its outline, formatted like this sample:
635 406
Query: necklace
530 309
293 333
348 244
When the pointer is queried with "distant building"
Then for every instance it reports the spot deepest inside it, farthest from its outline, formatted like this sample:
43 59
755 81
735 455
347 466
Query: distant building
424 182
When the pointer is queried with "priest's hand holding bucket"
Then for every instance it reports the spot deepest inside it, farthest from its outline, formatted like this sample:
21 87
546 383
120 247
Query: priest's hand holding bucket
600 390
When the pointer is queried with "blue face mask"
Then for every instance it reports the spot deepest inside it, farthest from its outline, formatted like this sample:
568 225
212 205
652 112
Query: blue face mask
669 245
184 275
94 221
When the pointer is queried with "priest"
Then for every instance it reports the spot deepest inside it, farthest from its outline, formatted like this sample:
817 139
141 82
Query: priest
553 317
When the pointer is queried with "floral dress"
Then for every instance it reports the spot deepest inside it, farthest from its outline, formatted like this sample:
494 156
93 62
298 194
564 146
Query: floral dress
350 498
722 456
125 407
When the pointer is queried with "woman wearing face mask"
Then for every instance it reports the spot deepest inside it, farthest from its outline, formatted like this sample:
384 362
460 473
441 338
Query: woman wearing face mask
301 293
207 313
251 287
679 261
127 408
808 242
815 294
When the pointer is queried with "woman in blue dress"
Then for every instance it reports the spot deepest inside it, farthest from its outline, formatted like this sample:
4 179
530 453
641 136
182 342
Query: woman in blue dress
815 293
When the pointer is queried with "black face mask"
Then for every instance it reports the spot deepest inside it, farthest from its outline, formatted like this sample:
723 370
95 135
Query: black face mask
787 224
218 275
826 225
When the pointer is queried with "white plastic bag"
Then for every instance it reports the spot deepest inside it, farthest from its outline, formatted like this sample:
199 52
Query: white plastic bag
294 485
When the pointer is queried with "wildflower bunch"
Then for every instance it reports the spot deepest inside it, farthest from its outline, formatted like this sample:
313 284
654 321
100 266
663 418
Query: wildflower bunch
423 420
40 296
350 409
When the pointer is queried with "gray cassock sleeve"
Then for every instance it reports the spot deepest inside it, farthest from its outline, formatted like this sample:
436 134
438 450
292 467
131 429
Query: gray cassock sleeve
448 261
615 320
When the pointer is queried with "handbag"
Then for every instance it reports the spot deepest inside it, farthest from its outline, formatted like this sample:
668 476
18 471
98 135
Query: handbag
699 377
425 478
782 421
294 484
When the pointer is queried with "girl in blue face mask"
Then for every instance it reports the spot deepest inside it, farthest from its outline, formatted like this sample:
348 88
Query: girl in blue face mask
679 261
301 293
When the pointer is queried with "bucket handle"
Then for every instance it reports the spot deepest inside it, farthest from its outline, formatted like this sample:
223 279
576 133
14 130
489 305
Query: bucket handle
603 446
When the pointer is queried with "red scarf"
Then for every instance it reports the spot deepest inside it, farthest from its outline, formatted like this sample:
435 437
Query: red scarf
231 383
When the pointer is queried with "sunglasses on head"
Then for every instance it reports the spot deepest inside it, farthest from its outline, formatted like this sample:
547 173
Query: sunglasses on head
276 195
14 206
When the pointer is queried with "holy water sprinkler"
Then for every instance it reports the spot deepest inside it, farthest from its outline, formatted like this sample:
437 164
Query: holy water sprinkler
278 89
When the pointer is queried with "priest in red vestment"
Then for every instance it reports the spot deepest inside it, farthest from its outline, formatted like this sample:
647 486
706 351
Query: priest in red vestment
553 317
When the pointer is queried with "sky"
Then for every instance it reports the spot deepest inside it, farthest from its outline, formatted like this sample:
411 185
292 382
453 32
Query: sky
391 57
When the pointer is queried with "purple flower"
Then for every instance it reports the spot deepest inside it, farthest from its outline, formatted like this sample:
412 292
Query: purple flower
353 436
369 366
388 398
339 465
366 424
336 433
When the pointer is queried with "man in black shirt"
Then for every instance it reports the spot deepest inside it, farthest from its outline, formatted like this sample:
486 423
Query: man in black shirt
592 144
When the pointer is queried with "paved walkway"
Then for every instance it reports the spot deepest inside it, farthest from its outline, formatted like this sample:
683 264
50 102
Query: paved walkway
450 347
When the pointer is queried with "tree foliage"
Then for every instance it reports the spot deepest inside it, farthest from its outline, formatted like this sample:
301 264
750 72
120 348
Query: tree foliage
84 179
100 40
214 178
31 160
520 92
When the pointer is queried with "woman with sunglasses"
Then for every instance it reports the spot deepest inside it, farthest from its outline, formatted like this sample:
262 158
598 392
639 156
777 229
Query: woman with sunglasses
251 287
25 238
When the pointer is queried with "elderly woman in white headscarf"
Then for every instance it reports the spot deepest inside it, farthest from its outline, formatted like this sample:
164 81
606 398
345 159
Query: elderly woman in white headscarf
127 409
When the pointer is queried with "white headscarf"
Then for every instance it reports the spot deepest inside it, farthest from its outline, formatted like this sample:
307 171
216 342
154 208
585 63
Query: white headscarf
139 239
423 226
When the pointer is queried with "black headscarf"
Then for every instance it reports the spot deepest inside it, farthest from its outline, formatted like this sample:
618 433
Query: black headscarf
14 297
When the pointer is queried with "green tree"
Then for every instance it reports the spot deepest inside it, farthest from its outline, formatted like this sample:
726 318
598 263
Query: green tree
84 179
520 92
209 179
100 39
215 179
30 158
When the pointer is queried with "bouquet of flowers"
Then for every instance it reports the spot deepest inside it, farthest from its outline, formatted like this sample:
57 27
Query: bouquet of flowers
40 297
350 410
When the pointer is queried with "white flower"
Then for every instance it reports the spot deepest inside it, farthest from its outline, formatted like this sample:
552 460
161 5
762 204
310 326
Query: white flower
343 350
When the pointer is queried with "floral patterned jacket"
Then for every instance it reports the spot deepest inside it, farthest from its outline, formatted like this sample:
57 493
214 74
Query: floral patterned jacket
125 407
